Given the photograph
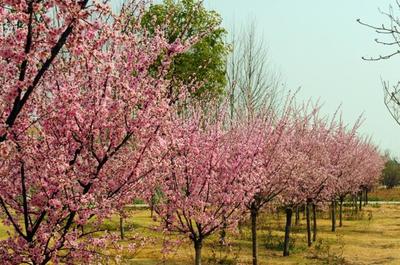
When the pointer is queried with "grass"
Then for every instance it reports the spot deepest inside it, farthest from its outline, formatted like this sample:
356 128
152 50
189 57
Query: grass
3 231
369 237
383 194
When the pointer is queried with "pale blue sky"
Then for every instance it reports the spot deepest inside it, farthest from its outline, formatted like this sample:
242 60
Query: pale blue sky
318 45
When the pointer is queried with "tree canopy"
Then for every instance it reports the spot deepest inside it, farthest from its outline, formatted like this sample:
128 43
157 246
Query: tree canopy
205 61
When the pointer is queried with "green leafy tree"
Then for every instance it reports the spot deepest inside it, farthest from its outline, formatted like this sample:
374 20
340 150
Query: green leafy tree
391 174
205 62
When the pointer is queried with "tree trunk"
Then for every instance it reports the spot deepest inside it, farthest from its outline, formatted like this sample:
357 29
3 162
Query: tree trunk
151 210
297 218
222 235
366 196
333 215
341 212
198 244
308 224
121 226
287 231
361 195
254 213
314 222
355 204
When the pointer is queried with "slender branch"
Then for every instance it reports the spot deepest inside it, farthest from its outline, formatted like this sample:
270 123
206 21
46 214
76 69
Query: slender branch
24 201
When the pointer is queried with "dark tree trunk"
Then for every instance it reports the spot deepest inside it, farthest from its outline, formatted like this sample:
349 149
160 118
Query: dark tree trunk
341 212
254 213
333 215
121 226
222 234
287 230
355 204
366 196
308 222
151 210
297 218
198 244
314 208
360 205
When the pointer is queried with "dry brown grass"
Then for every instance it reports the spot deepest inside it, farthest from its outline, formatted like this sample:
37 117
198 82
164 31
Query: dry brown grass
383 194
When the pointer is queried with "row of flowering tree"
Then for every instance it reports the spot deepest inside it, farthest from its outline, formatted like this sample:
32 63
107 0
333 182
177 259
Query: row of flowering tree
217 169
88 122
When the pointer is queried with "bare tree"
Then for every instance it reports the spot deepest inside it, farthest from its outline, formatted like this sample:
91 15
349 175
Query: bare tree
389 36
253 85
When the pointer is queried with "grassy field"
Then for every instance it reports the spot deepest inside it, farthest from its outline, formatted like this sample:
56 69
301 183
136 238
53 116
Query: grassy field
369 237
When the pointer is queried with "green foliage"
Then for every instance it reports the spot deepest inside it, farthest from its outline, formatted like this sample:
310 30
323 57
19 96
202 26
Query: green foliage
138 201
323 252
206 60
223 255
391 174
276 242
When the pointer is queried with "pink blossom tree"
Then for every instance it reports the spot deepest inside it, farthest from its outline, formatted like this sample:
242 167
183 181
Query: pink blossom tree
310 179
83 99
366 170
374 166
270 169
205 184
343 160
354 164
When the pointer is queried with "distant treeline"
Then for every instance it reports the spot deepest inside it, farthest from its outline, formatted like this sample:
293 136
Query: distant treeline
391 173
